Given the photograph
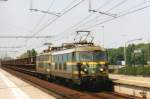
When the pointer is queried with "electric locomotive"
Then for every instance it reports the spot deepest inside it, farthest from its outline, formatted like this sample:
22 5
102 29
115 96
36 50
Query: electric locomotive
81 63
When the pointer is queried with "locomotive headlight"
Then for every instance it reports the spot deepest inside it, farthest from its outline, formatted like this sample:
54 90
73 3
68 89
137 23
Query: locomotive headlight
85 69
101 69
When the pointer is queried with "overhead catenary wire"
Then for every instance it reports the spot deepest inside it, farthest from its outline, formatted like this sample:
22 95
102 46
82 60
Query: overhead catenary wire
124 11
109 19
72 2
41 29
140 4
97 11
25 37
130 12
106 3
38 23
118 13
55 19
112 8
115 6
143 2
121 15
85 18
69 5
88 16
41 19
43 11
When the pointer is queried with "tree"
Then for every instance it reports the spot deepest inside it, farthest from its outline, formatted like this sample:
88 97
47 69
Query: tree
33 53
28 53
117 54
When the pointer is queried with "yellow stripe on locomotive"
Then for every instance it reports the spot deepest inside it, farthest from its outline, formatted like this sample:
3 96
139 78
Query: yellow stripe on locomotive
65 63
91 65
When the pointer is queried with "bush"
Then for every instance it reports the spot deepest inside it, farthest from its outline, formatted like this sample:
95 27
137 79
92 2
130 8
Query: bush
137 70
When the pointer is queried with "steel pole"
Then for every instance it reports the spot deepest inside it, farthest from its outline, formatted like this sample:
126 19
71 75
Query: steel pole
125 55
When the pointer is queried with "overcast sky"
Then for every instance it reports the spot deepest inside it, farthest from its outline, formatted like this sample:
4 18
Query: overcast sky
16 19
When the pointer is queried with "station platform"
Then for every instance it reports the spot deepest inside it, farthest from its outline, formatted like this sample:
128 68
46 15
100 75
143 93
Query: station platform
131 80
132 85
12 87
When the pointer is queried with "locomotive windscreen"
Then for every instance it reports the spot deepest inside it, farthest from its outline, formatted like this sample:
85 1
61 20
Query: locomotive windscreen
92 55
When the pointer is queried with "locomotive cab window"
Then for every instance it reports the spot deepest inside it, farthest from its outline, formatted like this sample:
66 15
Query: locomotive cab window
91 55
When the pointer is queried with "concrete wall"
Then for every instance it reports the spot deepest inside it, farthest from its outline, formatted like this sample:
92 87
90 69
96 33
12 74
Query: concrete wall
133 90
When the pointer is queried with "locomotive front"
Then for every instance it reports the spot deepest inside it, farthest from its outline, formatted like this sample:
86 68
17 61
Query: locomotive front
91 66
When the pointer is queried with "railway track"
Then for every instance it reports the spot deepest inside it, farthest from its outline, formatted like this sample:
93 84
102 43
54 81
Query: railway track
66 92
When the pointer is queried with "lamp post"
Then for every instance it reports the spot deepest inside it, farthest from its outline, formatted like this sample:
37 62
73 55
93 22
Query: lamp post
103 35
148 51
125 57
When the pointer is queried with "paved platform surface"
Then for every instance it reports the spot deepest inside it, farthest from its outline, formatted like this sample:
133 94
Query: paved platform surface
131 80
12 87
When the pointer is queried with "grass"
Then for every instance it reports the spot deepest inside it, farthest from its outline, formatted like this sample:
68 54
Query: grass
135 70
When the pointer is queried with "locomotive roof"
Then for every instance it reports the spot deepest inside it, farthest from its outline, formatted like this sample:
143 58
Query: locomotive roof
79 48
72 47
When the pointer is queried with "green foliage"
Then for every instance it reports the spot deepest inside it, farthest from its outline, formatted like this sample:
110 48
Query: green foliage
117 54
29 53
135 70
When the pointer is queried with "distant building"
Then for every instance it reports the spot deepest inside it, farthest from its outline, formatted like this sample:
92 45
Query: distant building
122 63
148 62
